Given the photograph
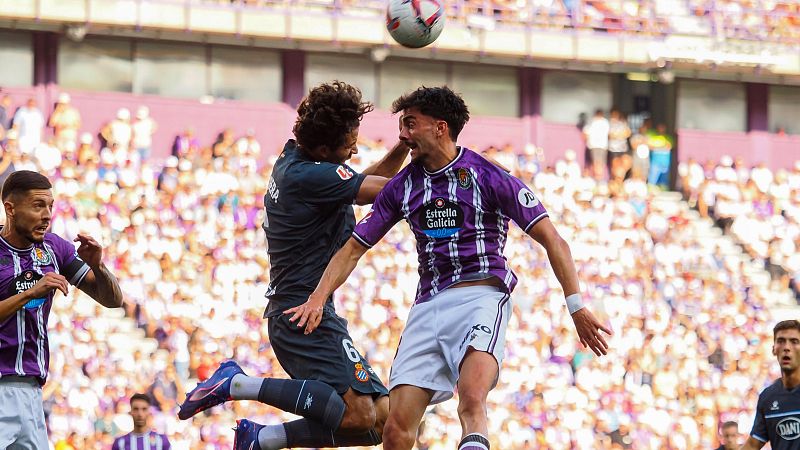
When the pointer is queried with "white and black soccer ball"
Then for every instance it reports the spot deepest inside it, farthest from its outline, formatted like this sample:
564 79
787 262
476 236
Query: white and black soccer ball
415 23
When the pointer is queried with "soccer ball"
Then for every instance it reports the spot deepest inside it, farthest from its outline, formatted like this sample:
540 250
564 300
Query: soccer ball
414 23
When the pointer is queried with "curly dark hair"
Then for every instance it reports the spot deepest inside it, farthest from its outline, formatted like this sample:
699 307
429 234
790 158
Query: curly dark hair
328 114
438 102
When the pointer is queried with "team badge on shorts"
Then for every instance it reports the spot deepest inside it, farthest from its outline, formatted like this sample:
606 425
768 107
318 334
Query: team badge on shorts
42 257
464 178
361 373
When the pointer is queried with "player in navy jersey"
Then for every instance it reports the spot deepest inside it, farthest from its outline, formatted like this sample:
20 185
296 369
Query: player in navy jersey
778 410
309 215
33 265
142 437
458 206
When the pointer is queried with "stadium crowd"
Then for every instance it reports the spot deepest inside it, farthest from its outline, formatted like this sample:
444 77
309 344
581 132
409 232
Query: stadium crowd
692 337
761 209
739 19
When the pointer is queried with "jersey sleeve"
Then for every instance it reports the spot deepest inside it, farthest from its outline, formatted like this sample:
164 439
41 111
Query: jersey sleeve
166 443
70 265
115 445
381 218
515 199
323 182
759 430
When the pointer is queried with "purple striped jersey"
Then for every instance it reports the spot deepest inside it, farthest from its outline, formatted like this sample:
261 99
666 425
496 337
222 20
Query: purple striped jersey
147 441
459 216
24 349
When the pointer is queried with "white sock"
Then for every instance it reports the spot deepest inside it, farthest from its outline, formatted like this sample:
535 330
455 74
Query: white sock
272 437
244 387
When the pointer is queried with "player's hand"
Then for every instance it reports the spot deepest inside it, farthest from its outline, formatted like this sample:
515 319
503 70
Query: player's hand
589 329
90 251
309 314
47 284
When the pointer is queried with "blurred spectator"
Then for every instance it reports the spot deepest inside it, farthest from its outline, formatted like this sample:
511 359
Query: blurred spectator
117 133
660 144
65 122
185 145
223 147
5 116
596 134
729 436
29 122
248 150
144 127
618 134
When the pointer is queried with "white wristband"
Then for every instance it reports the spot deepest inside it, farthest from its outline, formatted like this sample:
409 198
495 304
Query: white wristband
574 303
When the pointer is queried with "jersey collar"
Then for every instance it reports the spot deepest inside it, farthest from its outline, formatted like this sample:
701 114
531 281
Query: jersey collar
449 165
11 247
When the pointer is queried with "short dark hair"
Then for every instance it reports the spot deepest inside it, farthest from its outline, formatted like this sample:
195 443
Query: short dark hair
328 114
785 325
23 181
729 424
143 397
438 102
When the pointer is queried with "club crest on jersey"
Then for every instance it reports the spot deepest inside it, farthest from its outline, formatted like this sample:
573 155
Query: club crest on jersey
361 374
464 178
441 218
42 257
344 173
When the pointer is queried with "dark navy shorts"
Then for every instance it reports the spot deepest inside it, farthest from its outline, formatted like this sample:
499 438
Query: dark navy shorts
328 354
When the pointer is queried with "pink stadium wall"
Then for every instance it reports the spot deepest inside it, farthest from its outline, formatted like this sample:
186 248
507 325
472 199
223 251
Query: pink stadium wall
273 123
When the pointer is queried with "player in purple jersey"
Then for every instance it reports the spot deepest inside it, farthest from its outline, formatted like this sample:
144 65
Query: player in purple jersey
142 437
33 265
458 206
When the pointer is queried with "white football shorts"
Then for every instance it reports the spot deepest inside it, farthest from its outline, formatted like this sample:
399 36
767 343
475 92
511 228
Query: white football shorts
22 424
439 332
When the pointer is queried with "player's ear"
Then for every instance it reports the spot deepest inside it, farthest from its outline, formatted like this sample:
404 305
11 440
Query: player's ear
441 128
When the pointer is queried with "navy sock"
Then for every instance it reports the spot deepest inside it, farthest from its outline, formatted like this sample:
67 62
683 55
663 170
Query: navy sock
311 399
474 441
305 433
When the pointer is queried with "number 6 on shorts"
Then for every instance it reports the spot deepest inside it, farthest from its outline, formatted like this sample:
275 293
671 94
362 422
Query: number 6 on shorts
351 351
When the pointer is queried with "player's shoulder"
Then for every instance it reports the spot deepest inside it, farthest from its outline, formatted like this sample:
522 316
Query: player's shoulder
57 242
483 165
773 389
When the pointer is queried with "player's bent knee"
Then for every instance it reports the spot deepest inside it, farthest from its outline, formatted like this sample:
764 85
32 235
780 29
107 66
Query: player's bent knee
471 404
397 437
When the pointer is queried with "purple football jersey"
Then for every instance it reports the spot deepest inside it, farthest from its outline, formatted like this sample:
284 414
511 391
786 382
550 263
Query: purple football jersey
148 441
24 348
459 216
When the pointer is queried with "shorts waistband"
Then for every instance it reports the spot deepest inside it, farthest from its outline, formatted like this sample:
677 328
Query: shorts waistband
17 381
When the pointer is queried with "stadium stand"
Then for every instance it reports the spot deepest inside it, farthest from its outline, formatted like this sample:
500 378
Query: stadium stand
691 312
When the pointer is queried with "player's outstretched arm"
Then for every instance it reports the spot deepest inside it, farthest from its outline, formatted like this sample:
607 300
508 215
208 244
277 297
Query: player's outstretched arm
99 282
752 444
560 256
339 268
391 163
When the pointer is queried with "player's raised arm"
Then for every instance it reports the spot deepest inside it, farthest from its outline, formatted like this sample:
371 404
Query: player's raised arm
560 257
339 268
752 444
379 174
391 163
99 283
